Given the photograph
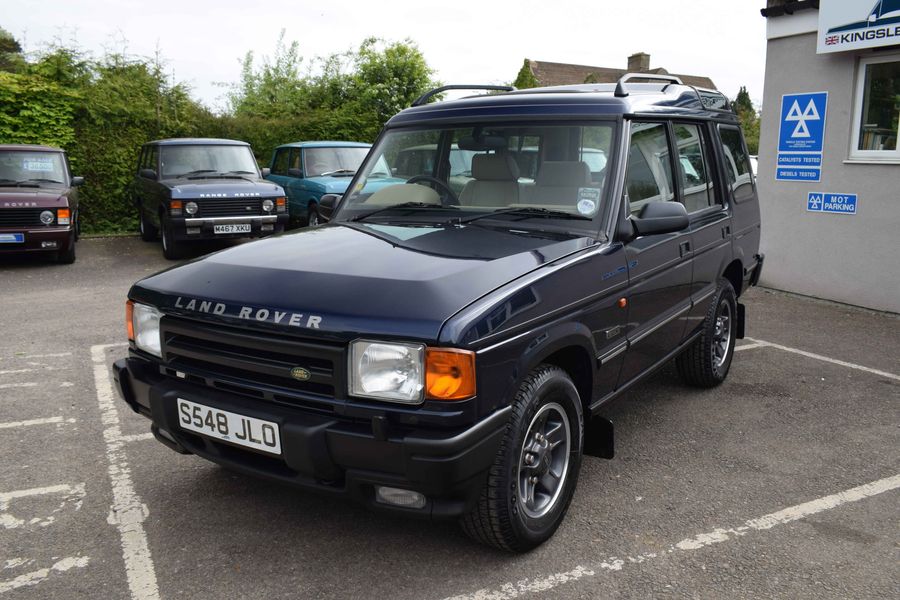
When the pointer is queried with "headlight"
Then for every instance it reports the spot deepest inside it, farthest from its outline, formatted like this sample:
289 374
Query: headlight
47 217
387 371
145 320
268 205
190 208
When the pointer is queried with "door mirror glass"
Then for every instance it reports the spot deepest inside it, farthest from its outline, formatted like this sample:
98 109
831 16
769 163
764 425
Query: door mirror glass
266 171
148 174
77 181
295 172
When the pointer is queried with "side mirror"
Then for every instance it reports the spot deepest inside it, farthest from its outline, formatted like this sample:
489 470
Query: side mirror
661 217
295 172
148 174
266 171
77 181
327 204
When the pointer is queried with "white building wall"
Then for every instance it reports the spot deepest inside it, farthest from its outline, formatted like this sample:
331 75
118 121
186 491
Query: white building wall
847 258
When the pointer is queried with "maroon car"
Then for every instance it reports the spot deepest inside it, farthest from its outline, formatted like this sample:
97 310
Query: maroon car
38 201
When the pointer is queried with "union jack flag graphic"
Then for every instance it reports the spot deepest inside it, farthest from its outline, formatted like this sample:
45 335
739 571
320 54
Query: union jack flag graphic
831 40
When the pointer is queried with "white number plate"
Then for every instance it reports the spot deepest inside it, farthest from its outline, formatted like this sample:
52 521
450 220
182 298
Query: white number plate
223 425
236 228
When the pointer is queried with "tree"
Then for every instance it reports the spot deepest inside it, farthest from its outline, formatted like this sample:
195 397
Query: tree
11 58
749 118
526 79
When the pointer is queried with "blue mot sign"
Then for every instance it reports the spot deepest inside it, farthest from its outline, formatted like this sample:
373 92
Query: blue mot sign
801 137
842 204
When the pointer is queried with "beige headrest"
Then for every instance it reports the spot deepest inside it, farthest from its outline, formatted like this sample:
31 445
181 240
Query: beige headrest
494 167
564 174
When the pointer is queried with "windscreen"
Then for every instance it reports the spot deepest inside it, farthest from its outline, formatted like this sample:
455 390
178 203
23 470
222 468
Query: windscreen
329 161
38 168
510 171
182 160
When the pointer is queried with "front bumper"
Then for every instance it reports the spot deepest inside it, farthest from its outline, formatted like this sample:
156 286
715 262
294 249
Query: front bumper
324 452
203 228
37 239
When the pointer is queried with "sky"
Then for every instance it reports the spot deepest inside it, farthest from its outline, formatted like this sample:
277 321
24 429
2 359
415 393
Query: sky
465 41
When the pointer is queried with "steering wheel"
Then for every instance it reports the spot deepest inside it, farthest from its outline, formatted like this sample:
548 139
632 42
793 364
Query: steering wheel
435 181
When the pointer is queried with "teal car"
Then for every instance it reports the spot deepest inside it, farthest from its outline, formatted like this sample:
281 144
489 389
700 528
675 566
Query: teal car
308 170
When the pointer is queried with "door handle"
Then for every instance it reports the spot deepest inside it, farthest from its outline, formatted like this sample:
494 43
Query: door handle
684 248
726 231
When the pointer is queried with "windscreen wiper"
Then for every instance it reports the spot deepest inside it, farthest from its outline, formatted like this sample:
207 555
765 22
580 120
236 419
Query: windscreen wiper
532 211
338 172
365 216
44 180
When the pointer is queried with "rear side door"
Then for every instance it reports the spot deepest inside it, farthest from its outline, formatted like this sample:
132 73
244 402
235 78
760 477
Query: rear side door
740 188
704 199
278 172
659 266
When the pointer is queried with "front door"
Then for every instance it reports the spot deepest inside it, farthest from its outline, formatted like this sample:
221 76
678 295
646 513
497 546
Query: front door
659 266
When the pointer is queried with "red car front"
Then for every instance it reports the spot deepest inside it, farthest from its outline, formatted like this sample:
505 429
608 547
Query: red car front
38 202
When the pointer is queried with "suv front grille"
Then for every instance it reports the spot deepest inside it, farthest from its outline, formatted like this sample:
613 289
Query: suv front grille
20 217
228 207
252 363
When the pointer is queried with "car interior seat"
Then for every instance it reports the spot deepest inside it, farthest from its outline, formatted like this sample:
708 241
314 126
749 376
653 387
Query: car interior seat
558 183
494 181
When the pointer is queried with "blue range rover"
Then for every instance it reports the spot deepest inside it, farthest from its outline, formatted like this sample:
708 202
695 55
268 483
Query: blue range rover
448 352
309 170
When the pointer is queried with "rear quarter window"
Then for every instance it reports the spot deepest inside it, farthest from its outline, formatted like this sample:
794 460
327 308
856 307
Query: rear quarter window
738 173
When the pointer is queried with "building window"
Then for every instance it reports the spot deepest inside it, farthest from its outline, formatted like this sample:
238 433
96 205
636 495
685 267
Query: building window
877 115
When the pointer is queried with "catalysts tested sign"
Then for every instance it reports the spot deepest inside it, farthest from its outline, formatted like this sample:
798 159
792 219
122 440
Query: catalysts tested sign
842 204
801 137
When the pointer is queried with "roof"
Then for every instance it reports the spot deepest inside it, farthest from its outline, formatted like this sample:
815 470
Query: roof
198 141
553 73
29 148
574 101
325 144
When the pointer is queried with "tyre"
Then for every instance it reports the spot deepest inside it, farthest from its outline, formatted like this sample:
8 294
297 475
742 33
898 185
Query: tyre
533 478
705 363
148 230
312 216
172 249
67 256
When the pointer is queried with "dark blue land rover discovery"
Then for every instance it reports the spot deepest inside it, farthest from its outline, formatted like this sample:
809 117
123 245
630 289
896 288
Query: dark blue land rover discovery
444 353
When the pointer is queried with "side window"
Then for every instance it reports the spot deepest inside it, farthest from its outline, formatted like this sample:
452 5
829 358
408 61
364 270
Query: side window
693 167
149 158
294 161
280 164
737 163
649 174
142 159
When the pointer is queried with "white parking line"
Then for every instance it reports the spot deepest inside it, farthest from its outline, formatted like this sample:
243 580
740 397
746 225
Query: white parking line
137 437
35 577
827 359
718 535
9 386
55 355
749 346
127 512
73 495
15 371
30 422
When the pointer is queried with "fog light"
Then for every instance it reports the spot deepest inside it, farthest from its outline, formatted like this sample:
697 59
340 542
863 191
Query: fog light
193 230
48 244
267 228
268 205
191 208
398 497
47 217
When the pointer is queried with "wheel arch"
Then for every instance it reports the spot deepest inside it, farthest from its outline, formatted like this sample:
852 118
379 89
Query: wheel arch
734 273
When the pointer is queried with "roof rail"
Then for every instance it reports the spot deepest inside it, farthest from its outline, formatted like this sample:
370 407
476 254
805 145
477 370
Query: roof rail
440 90
621 92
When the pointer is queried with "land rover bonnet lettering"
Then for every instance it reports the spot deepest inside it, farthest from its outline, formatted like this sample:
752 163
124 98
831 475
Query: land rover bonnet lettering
249 313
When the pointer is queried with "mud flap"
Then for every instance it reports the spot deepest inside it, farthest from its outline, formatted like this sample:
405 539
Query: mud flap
598 438
741 320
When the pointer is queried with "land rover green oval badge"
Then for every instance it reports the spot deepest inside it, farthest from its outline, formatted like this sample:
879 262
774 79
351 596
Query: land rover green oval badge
300 373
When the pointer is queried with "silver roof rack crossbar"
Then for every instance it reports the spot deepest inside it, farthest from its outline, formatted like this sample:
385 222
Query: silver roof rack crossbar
440 90
621 92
